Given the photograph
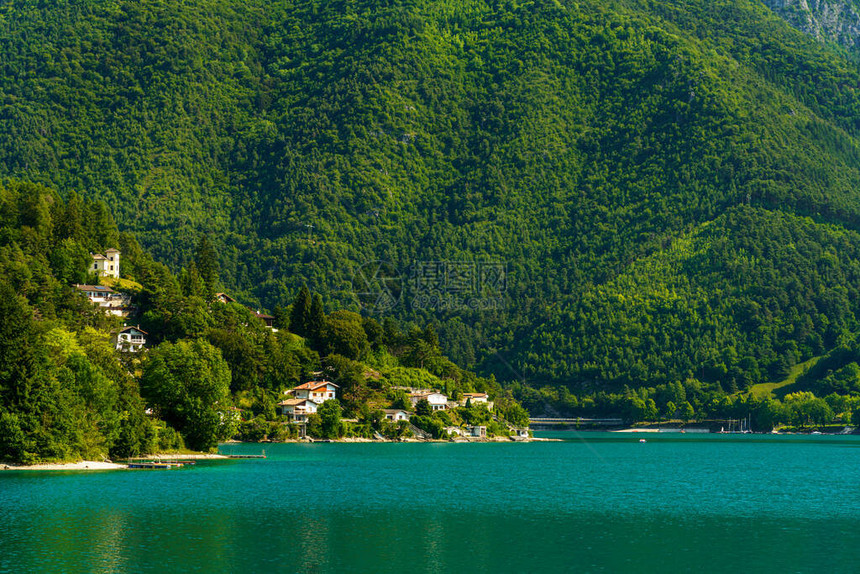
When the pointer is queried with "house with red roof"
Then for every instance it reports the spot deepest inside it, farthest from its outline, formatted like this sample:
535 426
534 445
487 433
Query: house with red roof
305 399
317 391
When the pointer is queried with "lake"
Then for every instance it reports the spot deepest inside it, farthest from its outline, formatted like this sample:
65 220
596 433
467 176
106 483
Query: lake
596 502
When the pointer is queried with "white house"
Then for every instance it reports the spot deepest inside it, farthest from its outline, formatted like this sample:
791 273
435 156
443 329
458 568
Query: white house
298 409
476 431
106 265
109 300
130 339
438 401
395 415
317 391
475 398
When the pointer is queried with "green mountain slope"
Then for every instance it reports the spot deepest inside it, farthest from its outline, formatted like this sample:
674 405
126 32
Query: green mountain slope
576 143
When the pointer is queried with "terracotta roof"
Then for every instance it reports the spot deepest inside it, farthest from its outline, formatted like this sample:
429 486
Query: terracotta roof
112 250
475 395
99 256
292 402
262 315
314 385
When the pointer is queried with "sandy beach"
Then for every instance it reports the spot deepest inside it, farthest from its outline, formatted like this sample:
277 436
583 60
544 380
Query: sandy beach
82 465
102 465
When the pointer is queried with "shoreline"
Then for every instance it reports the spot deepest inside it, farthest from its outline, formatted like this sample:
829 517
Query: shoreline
105 465
499 439
90 465
80 465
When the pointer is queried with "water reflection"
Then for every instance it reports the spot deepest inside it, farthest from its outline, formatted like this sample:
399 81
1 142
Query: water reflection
477 508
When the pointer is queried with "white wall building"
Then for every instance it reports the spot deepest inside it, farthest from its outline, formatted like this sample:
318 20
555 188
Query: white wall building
395 415
110 301
438 401
298 409
129 339
317 391
107 265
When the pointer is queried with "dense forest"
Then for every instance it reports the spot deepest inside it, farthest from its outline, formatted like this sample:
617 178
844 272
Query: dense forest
665 192
211 370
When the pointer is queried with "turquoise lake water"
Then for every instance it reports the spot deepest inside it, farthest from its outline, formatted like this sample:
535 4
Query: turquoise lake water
597 502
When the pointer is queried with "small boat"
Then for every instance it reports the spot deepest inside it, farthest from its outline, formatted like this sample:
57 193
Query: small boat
642 440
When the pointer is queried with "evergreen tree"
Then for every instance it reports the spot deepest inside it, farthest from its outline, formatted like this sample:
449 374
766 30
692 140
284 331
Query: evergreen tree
316 320
301 312
206 260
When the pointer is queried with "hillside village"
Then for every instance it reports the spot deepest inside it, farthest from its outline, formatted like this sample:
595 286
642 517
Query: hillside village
400 413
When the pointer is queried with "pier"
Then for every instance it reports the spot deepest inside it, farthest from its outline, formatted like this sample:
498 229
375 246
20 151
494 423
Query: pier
562 423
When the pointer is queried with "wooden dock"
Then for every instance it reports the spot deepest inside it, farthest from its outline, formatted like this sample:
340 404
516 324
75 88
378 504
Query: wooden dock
154 465
246 455
158 463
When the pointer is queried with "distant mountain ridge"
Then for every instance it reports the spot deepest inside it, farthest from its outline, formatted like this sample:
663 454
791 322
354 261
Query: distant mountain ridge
835 20
578 144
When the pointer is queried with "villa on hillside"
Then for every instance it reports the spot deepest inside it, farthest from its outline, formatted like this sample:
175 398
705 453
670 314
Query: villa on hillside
305 399
110 301
298 409
317 391
438 401
106 265
395 415
476 399
129 339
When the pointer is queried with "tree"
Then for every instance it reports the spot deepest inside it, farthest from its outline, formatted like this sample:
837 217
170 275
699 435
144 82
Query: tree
330 424
317 320
671 409
423 408
301 312
188 383
517 415
343 334
687 412
206 260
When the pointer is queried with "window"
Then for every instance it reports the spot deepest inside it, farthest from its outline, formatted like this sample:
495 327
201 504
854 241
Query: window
111 267
95 265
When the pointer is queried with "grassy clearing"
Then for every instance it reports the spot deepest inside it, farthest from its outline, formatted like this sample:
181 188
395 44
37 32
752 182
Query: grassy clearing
126 284
763 390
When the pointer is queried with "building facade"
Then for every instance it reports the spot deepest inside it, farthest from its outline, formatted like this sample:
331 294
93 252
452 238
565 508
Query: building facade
129 339
106 265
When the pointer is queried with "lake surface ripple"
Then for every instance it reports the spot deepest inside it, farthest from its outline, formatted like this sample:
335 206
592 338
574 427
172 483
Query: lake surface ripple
596 502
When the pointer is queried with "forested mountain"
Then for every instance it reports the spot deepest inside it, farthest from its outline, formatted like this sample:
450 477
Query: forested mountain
670 186
210 370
